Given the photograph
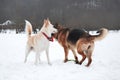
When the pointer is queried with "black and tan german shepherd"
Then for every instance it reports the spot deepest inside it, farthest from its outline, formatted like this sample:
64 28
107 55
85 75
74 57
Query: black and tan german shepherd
80 40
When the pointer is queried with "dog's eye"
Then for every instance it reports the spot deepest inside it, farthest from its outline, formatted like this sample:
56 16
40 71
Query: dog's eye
55 26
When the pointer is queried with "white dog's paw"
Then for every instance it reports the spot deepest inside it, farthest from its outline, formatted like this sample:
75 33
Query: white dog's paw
25 61
36 63
49 64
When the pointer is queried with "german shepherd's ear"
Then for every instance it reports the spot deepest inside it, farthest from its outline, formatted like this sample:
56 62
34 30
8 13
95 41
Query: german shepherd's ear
55 25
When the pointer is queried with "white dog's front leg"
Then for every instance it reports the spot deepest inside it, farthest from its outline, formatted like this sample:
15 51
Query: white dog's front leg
47 54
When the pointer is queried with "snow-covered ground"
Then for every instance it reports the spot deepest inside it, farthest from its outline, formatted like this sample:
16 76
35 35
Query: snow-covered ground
105 65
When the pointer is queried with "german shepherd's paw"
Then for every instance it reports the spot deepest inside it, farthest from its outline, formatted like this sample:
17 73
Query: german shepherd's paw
65 60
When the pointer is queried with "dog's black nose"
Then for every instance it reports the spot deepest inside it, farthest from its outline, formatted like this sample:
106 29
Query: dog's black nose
52 34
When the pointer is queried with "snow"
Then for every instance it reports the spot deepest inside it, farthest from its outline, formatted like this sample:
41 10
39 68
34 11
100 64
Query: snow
105 65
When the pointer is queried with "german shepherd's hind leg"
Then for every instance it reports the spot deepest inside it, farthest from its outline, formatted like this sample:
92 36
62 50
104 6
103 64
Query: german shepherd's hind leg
89 54
66 54
27 51
83 56
75 56
89 60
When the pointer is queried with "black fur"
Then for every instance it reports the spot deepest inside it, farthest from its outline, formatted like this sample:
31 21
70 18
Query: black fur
75 35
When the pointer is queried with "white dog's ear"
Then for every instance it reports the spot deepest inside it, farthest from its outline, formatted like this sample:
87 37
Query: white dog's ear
48 19
45 21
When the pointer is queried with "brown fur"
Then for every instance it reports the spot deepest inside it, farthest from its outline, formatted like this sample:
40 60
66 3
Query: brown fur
84 45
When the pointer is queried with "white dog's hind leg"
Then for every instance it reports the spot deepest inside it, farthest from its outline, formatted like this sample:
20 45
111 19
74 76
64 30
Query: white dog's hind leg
39 58
47 54
36 58
27 51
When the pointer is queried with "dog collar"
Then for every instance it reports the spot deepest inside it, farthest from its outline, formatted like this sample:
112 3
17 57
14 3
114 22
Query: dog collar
49 38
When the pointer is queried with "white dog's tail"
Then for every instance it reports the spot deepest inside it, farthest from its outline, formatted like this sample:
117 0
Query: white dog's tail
28 28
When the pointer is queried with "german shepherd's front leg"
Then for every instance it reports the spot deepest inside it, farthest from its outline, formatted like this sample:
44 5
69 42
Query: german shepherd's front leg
66 53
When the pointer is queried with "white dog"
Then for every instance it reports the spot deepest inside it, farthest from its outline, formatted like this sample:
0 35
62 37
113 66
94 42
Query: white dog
40 41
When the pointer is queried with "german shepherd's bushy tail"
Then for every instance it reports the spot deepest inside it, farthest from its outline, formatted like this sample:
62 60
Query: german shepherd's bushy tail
28 28
102 34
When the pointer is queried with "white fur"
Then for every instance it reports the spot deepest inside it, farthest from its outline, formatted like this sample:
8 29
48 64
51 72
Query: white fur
39 42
